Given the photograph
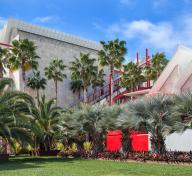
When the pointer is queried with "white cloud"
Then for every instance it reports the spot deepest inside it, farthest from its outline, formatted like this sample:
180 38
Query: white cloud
163 35
44 19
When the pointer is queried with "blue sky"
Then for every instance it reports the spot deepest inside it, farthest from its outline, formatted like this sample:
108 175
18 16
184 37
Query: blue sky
155 24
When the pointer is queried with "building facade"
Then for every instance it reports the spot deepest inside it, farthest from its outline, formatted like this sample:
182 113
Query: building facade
50 44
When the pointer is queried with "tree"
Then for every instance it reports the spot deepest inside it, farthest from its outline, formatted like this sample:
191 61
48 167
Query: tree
11 113
55 71
154 115
83 69
112 55
132 76
183 109
45 122
98 79
2 62
89 128
76 86
22 55
36 82
158 64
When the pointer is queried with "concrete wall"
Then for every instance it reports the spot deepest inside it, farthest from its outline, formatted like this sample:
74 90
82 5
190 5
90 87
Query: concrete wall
179 141
48 49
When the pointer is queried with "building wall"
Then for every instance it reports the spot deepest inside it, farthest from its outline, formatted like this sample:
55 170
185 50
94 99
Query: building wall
48 49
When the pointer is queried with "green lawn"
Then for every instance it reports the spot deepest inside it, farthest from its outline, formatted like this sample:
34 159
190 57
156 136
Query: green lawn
24 166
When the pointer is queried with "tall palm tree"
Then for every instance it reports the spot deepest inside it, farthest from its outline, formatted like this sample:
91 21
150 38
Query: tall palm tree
2 62
76 86
112 55
55 71
22 55
45 122
36 82
11 110
158 63
98 79
154 115
132 76
83 69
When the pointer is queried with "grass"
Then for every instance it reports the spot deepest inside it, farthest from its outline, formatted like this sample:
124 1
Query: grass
50 166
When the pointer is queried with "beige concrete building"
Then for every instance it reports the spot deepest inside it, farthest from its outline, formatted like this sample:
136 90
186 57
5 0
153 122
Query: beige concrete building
50 44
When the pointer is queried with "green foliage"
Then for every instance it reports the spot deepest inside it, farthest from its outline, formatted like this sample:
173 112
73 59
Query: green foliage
45 122
132 76
36 82
22 54
55 71
112 53
83 68
158 64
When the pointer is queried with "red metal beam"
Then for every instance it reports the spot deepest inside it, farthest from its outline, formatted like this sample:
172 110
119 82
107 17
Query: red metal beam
5 44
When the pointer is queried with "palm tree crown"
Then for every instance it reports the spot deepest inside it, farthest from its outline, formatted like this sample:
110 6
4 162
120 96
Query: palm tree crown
22 55
36 82
83 69
55 71
112 55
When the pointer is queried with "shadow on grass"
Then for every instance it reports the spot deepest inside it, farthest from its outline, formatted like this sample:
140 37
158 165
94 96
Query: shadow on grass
16 163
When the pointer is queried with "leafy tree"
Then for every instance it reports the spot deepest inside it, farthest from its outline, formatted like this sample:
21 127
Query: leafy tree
112 55
158 64
132 76
45 122
98 79
11 110
154 115
55 71
22 55
36 82
2 62
183 109
76 86
83 69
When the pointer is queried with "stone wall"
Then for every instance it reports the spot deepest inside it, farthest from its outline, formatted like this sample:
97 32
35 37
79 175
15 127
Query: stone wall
48 49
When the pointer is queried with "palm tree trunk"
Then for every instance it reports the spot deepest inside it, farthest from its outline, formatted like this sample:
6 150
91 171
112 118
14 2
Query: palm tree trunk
38 96
1 70
111 85
56 90
85 94
23 72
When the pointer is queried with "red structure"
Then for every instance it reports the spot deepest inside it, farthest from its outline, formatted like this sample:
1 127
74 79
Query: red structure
139 141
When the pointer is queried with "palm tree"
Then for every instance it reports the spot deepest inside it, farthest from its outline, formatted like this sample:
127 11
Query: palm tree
154 115
89 128
83 69
36 82
55 71
11 113
22 55
158 64
112 55
76 86
2 62
132 76
45 122
183 109
98 79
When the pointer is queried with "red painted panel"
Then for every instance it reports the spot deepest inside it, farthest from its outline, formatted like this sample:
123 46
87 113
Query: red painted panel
114 140
140 142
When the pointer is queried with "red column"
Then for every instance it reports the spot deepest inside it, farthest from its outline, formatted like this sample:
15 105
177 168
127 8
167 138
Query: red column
137 57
